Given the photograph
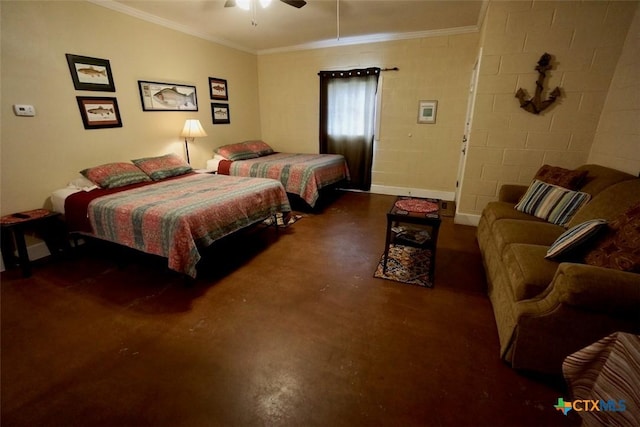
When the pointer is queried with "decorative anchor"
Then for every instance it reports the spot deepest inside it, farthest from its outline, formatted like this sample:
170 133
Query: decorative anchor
536 105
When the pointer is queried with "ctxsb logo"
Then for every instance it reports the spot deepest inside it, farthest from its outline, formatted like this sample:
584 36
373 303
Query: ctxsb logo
590 405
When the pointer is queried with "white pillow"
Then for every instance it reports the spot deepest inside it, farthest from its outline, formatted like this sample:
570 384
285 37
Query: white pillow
82 183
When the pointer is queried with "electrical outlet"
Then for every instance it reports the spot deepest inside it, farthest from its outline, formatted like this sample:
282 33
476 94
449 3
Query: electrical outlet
24 110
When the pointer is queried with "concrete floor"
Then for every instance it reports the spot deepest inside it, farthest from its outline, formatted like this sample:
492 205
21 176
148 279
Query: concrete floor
288 330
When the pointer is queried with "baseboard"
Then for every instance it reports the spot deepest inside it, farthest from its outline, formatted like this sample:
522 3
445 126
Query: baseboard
417 192
466 219
36 251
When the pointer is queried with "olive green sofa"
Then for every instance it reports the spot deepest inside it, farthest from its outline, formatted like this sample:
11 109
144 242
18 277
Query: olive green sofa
546 310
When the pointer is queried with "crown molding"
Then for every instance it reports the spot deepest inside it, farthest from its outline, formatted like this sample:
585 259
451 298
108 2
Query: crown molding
119 7
371 38
343 41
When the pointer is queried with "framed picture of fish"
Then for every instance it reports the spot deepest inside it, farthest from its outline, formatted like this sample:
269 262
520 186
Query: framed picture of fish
90 73
218 89
156 96
99 112
220 114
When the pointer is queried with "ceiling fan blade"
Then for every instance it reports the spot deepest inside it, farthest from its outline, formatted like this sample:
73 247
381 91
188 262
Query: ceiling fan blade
295 3
230 3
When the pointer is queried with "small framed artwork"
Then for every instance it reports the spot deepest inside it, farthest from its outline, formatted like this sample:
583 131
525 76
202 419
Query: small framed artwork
218 89
220 113
156 96
427 111
90 73
99 112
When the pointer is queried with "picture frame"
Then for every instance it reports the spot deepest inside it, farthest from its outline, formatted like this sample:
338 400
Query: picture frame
218 89
427 111
90 73
99 112
158 96
220 113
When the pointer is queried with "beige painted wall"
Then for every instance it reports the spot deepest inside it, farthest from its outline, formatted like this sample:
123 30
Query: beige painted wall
408 156
43 153
507 144
617 140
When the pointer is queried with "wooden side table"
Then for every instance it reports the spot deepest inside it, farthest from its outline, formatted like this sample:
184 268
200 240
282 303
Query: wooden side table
13 228
424 235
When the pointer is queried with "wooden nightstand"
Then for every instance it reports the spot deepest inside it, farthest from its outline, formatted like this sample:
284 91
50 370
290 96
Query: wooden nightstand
13 227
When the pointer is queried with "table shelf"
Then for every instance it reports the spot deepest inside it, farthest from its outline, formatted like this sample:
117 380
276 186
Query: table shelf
401 224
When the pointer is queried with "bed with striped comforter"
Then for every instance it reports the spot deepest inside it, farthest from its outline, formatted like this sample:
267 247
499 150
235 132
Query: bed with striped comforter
301 174
175 218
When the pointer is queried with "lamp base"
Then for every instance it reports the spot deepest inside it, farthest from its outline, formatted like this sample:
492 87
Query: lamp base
186 148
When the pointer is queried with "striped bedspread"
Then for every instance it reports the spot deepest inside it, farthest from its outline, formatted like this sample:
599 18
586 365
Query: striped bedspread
301 174
174 218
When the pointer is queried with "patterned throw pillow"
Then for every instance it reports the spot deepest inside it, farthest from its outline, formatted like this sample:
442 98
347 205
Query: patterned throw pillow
552 203
239 151
113 175
571 179
620 247
261 148
162 167
575 237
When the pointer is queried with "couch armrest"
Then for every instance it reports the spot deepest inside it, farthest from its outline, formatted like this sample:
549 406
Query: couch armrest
511 192
604 290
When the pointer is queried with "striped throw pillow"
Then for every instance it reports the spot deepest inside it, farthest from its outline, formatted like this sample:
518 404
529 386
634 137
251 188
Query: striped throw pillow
552 203
161 167
238 151
114 175
575 237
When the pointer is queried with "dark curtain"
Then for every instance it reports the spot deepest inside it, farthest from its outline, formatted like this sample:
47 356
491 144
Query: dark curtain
347 119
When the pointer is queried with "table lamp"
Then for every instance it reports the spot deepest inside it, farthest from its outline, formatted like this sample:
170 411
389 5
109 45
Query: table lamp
192 129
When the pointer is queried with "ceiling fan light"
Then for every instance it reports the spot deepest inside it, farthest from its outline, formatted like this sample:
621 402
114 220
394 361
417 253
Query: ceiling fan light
243 4
265 3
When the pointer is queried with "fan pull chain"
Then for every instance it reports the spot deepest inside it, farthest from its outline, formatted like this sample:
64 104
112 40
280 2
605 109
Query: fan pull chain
254 14
338 19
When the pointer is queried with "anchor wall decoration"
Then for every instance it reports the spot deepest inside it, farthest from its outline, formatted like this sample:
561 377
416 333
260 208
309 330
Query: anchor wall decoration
536 105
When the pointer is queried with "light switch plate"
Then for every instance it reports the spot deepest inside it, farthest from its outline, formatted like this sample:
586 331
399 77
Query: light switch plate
24 110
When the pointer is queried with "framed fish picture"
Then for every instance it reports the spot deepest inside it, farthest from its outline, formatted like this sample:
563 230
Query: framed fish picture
90 73
156 96
99 112
218 89
220 114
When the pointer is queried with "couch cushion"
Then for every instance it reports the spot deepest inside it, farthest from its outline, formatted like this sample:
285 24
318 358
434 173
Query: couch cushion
551 203
620 247
571 179
529 272
504 210
609 203
507 231
601 177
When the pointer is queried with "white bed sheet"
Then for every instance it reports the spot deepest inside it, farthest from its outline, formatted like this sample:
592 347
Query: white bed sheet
59 196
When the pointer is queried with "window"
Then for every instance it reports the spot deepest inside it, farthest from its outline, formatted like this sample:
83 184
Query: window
347 119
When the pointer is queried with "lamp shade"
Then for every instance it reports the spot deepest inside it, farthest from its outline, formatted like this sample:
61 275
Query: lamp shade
192 129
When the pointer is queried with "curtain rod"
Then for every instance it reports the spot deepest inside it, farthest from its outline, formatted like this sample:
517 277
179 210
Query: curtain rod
390 69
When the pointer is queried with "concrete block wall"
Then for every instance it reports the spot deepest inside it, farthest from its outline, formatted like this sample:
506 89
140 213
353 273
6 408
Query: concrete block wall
508 144
617 139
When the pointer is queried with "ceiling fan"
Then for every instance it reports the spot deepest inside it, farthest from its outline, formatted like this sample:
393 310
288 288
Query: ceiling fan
295 3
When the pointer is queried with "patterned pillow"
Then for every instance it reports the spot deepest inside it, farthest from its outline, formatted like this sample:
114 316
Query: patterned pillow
113 175
575 237
239 151
571 179
162 167
261 148
552 203
620 247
